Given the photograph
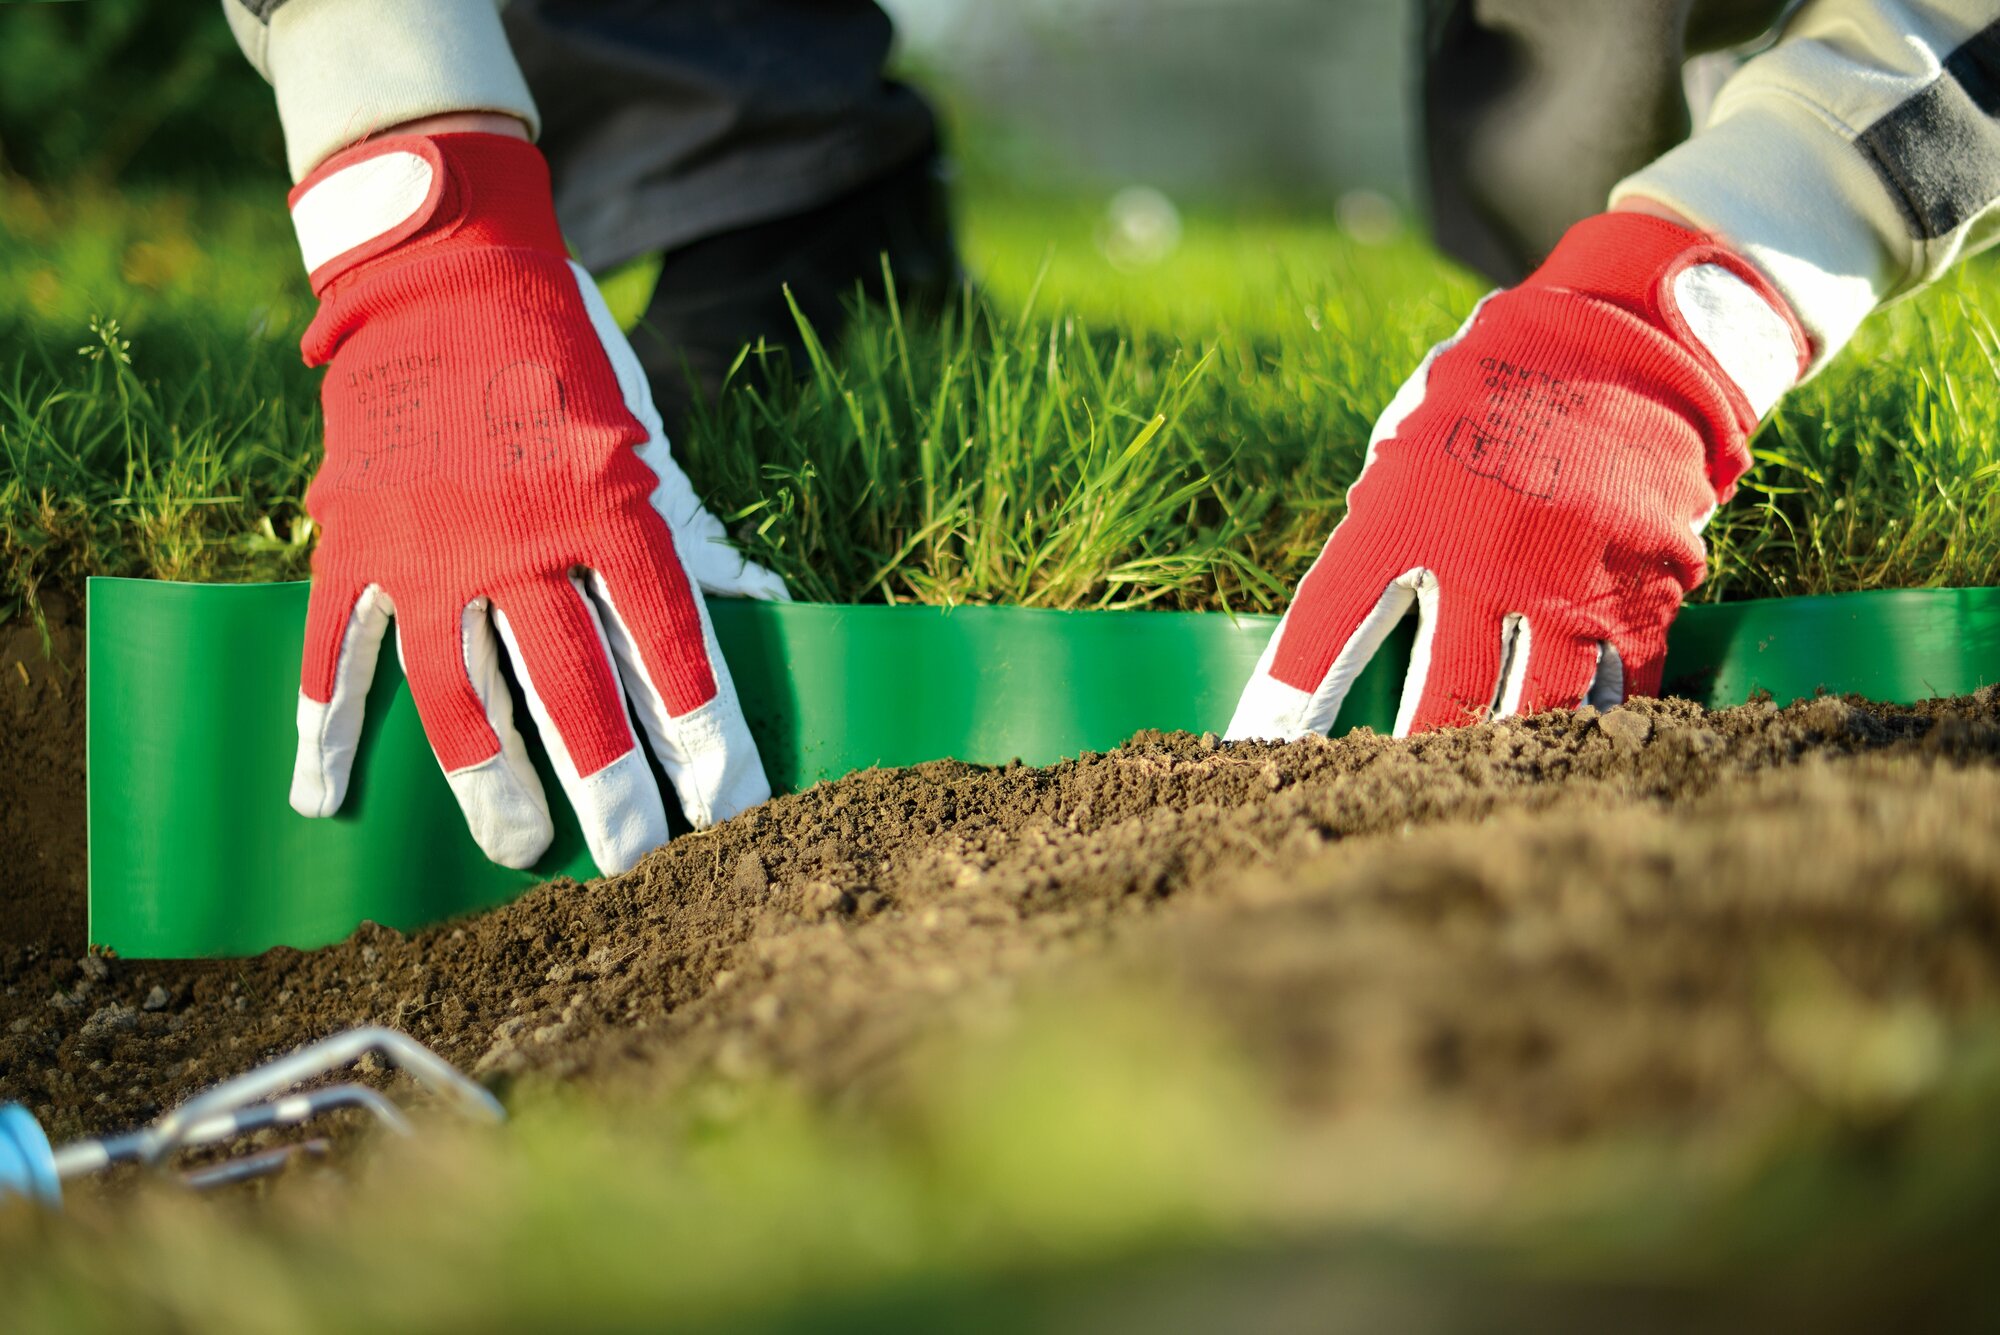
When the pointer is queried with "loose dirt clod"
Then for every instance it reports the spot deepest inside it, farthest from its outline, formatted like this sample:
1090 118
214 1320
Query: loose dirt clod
1627 727
1526 919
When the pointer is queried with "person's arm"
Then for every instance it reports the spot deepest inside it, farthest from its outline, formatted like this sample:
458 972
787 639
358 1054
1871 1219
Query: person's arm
347 70
1538 488
1854 161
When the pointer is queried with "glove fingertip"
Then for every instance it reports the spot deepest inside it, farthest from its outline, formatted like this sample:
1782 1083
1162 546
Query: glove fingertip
324 758
311 795
510 823
765 585
1269 710
731 782
621 812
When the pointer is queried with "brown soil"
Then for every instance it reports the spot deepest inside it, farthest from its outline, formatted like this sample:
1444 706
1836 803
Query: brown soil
43 867
1558 924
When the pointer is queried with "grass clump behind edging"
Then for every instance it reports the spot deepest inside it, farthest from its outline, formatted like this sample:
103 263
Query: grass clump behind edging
986 459
1883 472
106 473
1076 435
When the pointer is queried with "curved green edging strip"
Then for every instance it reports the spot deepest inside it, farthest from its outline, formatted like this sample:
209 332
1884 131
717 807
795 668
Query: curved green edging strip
194 850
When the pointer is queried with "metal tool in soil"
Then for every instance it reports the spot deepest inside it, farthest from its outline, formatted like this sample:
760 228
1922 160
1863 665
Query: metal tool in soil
258 1100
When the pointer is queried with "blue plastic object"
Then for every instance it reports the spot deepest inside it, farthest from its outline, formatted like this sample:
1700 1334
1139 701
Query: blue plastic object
27 1163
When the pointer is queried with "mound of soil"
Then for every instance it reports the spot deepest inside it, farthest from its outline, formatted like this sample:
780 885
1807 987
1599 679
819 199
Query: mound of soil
1556 924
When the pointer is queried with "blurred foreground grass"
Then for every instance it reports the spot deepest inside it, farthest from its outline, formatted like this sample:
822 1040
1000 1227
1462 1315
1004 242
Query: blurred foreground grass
1095 1166
1174 429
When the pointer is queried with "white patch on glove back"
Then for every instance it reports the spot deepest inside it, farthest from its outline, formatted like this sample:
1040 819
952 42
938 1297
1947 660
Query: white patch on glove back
1750 341
357 204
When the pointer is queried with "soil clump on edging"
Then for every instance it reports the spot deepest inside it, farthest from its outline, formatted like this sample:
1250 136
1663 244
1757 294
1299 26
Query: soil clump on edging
1486 885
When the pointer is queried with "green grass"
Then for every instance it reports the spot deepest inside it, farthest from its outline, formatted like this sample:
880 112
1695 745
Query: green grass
1078 435
178 446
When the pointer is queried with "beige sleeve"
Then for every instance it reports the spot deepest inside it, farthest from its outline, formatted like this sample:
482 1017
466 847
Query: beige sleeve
1855 160
346 69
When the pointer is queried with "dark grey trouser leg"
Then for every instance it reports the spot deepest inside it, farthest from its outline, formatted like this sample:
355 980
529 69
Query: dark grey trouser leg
718 295
669 121
1533 109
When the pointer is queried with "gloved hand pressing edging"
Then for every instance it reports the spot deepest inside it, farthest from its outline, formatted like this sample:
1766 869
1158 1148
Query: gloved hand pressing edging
493 460
1538 488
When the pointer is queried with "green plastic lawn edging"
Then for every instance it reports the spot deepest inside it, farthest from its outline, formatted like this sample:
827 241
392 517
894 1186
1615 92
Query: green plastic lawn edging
194 850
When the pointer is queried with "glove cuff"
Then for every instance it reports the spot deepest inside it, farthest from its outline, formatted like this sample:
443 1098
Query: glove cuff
1709 299
422 192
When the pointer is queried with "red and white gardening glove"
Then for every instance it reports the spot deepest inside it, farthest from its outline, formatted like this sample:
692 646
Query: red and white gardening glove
494 463
1538 488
